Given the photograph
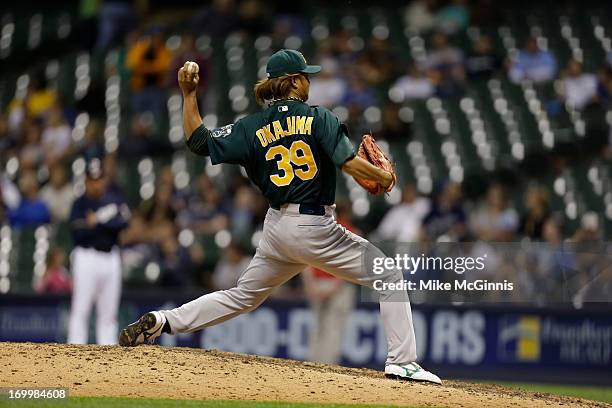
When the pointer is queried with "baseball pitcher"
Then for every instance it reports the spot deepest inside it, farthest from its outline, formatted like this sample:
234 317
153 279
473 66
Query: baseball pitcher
290 151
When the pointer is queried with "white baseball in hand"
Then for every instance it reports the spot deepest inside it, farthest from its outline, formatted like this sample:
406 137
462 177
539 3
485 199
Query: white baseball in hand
191 67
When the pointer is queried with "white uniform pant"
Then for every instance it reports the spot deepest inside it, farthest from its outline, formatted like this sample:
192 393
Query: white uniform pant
97 280
291 241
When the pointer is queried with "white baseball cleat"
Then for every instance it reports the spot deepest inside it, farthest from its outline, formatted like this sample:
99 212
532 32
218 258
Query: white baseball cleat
411 371
146 329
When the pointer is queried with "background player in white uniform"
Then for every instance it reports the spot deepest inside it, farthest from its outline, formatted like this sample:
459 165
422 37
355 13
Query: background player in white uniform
96 219
290 151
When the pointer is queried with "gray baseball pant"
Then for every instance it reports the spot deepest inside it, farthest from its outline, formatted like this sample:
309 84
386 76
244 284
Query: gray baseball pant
291 241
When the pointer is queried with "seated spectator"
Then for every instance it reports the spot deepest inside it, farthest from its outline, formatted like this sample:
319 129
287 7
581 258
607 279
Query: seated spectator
92 146
452 18
115 19
358 93
327 88
403 221
394 129
243 211
31 152
57 279
419 15
7 139
229 268
252 17
483 62
446 220
205 213
40 99
56 137
494 220
377 64
537 202
415 84
604 89
58 194
31 211
175 263
142 142
534 64
579 88
217 20
159 214
149 61
445 66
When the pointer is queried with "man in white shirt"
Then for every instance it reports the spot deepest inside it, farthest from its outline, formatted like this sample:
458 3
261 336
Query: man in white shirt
58 194
402 222
579 88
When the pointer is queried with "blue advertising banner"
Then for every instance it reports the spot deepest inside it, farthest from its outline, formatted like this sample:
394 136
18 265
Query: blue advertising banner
496 343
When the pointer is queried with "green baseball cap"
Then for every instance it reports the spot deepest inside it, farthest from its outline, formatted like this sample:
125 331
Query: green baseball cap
285 62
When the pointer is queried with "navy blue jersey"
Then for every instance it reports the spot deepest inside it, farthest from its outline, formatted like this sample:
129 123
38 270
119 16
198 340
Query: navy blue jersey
112 214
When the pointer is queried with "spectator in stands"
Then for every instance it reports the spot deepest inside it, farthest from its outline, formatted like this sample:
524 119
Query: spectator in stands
149 61
159 214
57 279
494 220
232 264
533 63
92 146
446 220
483 62
327 88
604 89
56 137
31 152
452 18
358 93
403 221
189 52
243 211
175 263
414 85
115 18
40 98
58 194
579 88
444 64
205 212
394 128
377 64
7 139
537 202
419 15
31 211
553 259
217 20
253 18
142 142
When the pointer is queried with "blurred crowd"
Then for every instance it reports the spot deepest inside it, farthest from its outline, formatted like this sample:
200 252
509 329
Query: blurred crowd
169 230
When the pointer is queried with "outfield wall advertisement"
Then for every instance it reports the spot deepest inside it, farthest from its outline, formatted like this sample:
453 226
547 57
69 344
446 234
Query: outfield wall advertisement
459 341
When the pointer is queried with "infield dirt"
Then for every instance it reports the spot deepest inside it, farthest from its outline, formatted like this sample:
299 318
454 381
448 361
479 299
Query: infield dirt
183 373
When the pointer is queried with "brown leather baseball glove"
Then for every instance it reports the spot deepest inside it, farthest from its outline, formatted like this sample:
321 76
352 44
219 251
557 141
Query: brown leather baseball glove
371 152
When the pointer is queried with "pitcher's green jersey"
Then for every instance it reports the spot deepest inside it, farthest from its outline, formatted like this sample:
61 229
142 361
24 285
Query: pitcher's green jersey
290 151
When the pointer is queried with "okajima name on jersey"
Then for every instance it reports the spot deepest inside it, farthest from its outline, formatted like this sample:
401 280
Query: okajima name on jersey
296 125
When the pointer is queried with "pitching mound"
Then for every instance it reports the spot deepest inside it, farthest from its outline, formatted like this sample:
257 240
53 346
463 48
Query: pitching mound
181 373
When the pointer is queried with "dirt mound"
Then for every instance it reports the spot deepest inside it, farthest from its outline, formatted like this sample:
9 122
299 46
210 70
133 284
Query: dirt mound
182 373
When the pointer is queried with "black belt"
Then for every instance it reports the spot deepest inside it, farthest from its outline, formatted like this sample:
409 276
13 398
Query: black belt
99 249
307 209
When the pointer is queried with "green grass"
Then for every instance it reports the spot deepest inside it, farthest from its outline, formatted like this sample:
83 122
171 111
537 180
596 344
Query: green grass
581 391
106 402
